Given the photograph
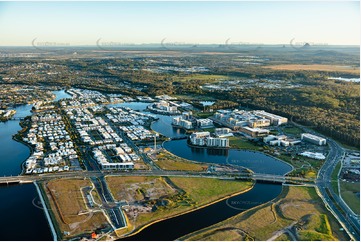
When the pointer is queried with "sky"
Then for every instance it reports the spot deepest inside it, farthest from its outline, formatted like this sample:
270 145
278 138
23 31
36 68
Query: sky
113 23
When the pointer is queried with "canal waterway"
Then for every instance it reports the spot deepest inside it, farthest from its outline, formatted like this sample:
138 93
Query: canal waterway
22 215
176 227
255 161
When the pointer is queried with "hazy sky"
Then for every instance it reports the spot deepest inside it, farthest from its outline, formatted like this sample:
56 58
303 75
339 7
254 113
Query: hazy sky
83 23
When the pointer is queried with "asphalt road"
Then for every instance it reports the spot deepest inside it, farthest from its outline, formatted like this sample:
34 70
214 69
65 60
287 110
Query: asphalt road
114 212
334 203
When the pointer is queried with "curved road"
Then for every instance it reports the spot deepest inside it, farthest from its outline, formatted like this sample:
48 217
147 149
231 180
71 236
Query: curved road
333 202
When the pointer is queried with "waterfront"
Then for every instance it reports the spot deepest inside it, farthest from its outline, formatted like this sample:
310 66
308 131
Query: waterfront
162 125
60 95
255 161
24 208
190 222
22 215
181 225
12 153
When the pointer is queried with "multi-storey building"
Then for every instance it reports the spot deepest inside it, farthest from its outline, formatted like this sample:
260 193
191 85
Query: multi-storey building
313 139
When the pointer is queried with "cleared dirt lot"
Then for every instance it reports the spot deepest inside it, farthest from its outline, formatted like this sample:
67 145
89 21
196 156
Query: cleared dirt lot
69 208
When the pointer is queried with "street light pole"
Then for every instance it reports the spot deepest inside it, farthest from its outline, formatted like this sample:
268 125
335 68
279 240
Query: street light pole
155 143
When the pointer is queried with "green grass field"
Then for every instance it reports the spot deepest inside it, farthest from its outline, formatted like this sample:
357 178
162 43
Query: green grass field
304 166
283 237
203 191
191 194
348 193
292 130
298 205
167 161
242 143
202 77
203 114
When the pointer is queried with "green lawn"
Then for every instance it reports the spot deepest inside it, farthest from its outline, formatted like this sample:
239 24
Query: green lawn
210 130
242 143
301 165
167 161
292 130
203 191
348 193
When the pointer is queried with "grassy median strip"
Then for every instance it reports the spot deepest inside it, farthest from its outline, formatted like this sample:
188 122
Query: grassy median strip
334 178
296 206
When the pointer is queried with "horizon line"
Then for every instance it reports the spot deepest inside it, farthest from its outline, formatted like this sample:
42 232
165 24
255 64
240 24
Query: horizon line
66 45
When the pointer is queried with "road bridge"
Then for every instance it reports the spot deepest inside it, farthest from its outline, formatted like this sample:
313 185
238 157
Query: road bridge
7 180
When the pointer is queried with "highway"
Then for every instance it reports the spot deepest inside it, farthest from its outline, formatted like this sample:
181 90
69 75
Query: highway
349 221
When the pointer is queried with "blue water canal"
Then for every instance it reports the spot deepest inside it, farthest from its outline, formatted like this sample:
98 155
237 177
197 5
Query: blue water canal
22 216
19 205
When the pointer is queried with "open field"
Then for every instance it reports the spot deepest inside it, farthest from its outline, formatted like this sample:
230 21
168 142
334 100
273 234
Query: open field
191 97
203 190
295 207
138 188
316 67
69 208
242 143
203 114
349 195
304 166
193 193
168 197
201 77
293 131
167 161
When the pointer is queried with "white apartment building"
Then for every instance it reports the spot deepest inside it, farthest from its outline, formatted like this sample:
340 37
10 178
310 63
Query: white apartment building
313 139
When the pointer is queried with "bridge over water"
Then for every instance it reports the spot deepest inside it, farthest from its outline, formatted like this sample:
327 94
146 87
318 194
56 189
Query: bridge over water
8 180
17 118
